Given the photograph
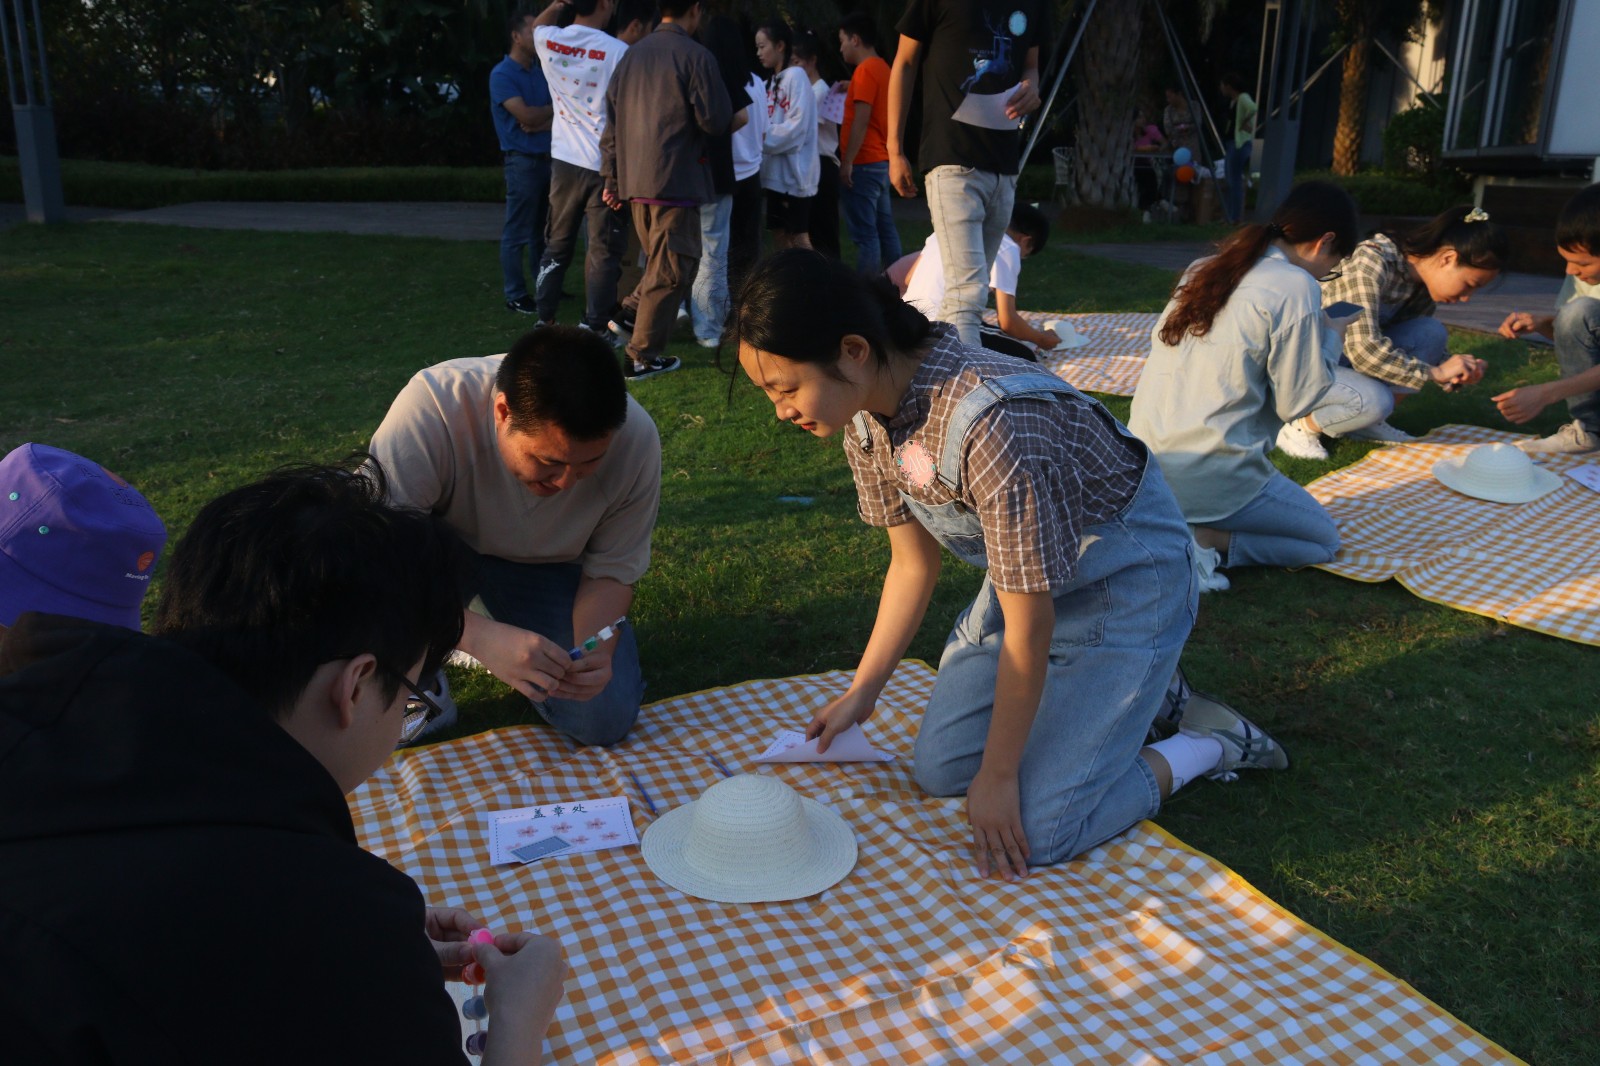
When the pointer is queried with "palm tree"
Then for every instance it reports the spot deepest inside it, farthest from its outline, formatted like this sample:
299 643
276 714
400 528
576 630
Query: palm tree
1107 72
1359 22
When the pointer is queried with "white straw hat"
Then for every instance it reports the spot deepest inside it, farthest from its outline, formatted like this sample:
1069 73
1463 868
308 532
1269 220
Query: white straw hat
1070 337
750 839
1500 473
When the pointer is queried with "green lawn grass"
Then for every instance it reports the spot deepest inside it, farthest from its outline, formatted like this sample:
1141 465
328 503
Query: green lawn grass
1441 815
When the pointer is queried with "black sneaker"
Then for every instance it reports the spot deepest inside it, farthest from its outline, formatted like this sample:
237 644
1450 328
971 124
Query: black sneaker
658 365
523 305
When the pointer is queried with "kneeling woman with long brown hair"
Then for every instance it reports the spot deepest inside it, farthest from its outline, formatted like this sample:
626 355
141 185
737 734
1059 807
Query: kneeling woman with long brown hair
1242 348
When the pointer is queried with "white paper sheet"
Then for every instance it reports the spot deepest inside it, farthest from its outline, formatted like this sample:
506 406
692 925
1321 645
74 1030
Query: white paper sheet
1587 476
832 106
850 746
586 825
987 110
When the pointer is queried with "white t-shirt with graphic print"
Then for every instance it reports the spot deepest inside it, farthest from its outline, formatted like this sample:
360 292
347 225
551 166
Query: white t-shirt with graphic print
577 63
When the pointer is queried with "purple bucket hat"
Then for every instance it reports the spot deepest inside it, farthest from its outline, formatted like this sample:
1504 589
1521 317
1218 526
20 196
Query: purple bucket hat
75 539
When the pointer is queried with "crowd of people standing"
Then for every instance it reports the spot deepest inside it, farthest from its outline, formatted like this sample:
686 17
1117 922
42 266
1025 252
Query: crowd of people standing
661 118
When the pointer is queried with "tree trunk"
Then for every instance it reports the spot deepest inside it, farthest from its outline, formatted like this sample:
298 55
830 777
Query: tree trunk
1352 106
1107 75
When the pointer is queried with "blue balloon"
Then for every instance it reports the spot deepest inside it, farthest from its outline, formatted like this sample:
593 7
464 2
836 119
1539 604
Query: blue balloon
1182 157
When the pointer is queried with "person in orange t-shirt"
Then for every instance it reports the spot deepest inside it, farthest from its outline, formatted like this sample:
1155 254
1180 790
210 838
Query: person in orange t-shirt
863 153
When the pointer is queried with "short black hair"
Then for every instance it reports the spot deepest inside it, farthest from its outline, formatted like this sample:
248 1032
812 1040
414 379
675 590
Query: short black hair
1029 221
518 16
862 25
307 566
566 377
630 11
676 9
1235 81
583 8
1578 226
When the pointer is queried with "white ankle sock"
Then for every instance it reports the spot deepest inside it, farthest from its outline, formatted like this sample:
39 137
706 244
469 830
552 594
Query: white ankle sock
1189 757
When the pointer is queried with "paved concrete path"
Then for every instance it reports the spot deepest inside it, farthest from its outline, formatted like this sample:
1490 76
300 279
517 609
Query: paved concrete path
1484 312
17 214
449 221
482 222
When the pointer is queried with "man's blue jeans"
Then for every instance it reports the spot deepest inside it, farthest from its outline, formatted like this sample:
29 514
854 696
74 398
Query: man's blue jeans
708 300
538 597
869 216
1578 349
527 205
971 209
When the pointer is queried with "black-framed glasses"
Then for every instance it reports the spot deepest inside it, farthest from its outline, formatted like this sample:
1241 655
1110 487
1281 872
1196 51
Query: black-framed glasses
419 711
1332 275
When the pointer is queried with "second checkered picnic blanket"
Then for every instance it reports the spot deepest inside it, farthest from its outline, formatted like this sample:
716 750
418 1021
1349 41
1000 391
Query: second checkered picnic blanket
1534 565
1142 951
1113 359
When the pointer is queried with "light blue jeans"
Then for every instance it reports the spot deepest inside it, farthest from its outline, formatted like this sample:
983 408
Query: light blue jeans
1356 401
1282 526
708 300
527 207
1119 630
869 216
1119 627
1353 402
1578 349
971 209
538 597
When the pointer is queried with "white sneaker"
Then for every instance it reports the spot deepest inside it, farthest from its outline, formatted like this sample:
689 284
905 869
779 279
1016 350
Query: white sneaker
1296 440
1206 561
708 342
1382 431
1570 439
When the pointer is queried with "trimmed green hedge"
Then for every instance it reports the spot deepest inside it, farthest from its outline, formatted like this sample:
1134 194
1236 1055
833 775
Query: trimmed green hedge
1377 193
136 185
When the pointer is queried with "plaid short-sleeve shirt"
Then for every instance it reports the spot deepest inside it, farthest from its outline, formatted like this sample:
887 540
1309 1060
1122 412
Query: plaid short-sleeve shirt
1035 471
1377 278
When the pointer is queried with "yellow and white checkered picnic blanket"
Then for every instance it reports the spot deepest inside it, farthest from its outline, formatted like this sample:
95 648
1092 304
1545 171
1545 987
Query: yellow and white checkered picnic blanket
1534 565
1113 359
1141 952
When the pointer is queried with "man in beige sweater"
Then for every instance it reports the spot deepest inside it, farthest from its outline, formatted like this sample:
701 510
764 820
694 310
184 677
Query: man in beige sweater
551 473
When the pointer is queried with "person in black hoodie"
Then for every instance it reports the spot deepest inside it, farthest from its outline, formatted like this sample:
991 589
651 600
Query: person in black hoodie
179 875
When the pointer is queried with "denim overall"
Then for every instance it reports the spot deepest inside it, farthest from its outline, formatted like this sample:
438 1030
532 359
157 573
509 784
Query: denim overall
1120 625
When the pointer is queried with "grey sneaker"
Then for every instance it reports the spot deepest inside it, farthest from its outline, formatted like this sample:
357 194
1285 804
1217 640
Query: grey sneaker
1381 431
1570 439
1296 440
1245 745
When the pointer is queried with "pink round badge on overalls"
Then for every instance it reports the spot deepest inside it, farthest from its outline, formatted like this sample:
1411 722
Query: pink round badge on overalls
916 464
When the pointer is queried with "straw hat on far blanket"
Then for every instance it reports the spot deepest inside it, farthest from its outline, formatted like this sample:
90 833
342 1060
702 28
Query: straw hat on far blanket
1500 473
750 839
